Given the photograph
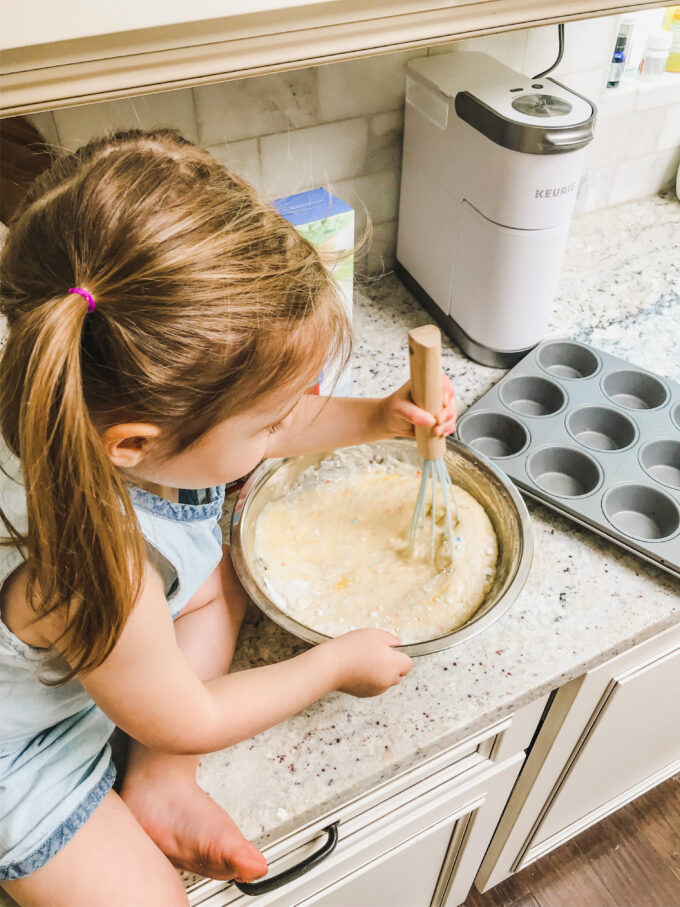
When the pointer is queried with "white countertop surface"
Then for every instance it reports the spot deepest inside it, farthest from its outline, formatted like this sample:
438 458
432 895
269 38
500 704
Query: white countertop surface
585 599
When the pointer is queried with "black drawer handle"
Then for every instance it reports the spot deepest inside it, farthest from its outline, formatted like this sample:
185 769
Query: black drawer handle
267 885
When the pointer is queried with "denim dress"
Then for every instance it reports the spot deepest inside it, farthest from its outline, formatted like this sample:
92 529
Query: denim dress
55 758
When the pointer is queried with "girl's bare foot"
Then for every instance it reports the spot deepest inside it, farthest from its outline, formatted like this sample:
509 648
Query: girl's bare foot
187 825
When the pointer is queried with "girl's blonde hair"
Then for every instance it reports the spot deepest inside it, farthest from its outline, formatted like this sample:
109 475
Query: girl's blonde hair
206 300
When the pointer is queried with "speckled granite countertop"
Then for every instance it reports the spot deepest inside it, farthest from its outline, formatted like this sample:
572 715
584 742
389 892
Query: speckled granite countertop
585 599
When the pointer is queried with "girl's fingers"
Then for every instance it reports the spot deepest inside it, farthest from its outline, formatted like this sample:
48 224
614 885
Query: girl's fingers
407 667
443 424
415 415
445 428
449 396
448 414
447 387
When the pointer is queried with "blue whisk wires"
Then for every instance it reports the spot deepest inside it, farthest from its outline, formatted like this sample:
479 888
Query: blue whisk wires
435 471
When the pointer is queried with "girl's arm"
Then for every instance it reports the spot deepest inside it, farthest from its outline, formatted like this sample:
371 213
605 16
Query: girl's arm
147 687
323 423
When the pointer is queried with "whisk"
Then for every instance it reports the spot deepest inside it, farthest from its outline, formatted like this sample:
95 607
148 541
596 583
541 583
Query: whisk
425 356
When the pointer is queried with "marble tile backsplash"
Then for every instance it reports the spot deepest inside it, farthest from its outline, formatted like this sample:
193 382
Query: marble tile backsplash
340 124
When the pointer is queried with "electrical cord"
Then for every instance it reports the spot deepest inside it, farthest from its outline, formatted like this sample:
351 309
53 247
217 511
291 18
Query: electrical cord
560 33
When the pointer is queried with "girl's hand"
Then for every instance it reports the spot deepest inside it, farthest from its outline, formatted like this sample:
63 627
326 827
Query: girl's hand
399 413
367 663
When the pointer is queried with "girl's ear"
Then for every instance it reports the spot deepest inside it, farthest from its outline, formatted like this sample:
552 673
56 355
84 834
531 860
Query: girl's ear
127 444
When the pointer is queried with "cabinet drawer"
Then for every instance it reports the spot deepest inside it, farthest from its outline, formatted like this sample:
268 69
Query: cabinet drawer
496 743
376 851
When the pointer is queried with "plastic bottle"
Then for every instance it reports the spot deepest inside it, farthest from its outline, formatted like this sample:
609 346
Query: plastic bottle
626 27
668 17
673 61
654 56
621 56
617 68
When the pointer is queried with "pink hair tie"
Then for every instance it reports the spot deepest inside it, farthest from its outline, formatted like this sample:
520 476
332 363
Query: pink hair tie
85 295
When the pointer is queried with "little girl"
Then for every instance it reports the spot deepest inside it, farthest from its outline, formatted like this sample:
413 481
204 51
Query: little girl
164 325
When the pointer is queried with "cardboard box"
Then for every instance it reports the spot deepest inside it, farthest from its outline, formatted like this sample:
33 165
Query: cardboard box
328 223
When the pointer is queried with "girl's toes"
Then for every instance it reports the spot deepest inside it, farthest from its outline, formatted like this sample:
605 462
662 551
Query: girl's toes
249 864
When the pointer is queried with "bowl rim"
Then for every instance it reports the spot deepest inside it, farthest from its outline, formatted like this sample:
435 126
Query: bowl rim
471 628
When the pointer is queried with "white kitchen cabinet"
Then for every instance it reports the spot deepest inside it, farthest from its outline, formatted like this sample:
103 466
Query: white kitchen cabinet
607 738
415 840
404 856
58 55
405 876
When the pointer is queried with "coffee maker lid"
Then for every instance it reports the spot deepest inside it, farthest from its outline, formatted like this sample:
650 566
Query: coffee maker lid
535 116
532 101
549 119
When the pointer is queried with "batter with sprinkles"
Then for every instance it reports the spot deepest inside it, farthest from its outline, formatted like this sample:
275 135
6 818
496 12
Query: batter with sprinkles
363 572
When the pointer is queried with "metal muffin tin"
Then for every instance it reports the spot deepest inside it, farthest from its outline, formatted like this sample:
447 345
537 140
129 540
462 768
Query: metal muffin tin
593 437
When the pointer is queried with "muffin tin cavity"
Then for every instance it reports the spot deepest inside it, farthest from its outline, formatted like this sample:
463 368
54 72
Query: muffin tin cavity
592 436
566 359
634 389
675 415
533 396
641 512
495 435
661 461
601 428
564 471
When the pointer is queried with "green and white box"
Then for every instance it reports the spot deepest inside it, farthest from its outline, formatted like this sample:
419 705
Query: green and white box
328 223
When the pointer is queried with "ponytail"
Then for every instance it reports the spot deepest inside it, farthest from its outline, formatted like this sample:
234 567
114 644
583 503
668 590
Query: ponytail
83 543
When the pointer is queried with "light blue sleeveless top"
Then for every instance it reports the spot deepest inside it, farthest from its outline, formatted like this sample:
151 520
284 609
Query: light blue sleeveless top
55 762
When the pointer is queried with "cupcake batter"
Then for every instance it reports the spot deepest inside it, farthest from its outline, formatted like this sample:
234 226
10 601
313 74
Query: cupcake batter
333 553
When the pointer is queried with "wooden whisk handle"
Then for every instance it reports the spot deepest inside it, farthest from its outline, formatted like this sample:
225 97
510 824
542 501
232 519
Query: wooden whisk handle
425 361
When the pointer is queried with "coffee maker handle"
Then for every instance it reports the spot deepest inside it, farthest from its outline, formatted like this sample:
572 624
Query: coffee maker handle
569 141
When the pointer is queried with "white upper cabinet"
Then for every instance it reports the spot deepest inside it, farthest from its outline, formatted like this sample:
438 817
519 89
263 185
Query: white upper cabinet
62 54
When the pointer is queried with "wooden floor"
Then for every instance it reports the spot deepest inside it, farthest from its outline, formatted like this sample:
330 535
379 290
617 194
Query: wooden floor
630 859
